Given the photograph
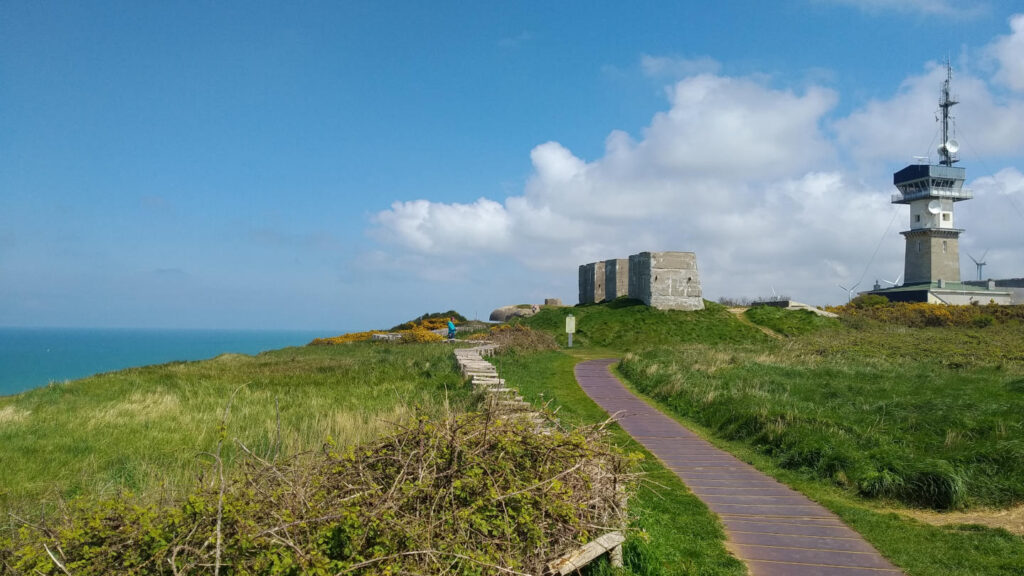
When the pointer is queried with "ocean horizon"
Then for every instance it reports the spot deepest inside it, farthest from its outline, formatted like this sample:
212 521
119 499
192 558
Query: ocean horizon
34 357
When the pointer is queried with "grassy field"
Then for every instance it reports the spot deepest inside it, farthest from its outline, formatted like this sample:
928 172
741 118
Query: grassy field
911 427
144 430
918 548
865 418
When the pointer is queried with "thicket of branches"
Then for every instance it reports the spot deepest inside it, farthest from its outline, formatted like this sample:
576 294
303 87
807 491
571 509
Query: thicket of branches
473 494
518 338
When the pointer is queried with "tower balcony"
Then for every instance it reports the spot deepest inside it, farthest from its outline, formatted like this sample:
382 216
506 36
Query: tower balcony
955 193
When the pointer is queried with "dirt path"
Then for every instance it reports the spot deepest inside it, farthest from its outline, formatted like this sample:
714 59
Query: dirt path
739 314
1011 520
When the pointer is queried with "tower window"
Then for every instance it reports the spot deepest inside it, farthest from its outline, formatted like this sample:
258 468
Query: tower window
943 246
946 216
917 217
918 246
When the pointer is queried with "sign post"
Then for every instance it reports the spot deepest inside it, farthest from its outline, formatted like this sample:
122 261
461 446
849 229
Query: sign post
570 327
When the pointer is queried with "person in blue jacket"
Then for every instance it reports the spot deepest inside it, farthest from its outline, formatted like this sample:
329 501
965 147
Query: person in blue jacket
451 328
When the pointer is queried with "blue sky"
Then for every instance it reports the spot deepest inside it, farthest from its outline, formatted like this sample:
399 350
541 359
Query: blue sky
350 165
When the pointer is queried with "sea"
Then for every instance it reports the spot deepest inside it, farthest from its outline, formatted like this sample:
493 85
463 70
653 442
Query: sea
33 357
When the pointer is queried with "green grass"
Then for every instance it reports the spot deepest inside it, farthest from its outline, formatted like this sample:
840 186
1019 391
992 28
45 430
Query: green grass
682 536
789 322
630 325
919 549
913 429
142 430
860 416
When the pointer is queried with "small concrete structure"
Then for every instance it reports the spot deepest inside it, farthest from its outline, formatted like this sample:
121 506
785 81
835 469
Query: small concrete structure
791 305
506 313
666 280
1015 286
552 301
592 283
616 278
663 280
953 293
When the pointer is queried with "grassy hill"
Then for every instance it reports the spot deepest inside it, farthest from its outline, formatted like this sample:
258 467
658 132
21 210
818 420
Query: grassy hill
630 325
886 410
929 416
144 430
890 409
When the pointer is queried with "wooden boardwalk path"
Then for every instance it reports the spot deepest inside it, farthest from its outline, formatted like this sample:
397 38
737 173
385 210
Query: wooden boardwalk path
774 529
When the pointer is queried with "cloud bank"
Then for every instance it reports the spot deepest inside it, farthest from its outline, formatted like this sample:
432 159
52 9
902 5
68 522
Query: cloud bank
763 182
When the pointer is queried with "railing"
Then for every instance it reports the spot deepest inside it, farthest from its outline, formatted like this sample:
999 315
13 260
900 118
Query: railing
957 193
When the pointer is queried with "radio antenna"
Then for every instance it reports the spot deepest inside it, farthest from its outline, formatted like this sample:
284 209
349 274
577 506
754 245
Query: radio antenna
949 147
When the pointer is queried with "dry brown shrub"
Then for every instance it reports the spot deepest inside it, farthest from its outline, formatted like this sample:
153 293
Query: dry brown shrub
521 338
474 494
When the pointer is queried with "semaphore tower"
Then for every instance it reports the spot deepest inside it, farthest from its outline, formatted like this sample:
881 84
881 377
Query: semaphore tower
932 251
931 264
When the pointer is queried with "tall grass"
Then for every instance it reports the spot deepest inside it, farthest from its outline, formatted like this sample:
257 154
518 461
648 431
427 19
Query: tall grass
926 416
144 429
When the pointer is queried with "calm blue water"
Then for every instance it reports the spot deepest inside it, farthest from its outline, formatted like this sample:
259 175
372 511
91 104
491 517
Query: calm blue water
31 357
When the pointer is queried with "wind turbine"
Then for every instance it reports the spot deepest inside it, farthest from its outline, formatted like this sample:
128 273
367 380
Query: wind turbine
980 264
849 291
894 282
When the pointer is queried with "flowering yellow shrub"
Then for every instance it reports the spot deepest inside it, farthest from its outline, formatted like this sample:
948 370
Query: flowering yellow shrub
432 323
350 337
920 314
419 330
420 334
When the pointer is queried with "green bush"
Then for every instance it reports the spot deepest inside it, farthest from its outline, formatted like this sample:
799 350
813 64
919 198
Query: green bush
869 301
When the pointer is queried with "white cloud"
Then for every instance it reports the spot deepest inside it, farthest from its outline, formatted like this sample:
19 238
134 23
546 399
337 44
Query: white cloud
993 220
515 41
664 66
724 172
1008 51
922 7
432 227
904 126
759 181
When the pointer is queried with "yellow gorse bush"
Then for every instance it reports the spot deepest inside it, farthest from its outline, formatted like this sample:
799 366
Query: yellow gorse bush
920 314
420 334
417 333
419 330
345 338
432 324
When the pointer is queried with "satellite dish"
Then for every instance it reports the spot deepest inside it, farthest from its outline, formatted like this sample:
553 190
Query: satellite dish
934 207
952 146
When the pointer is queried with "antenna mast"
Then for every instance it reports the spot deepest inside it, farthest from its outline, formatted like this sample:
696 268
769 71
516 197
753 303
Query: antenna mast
948 147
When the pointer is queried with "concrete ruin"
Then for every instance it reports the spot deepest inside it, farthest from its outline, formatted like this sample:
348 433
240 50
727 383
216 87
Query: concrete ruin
666 280
663 280
592 283
616 278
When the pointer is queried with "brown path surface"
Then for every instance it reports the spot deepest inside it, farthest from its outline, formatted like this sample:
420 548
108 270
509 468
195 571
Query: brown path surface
774 529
